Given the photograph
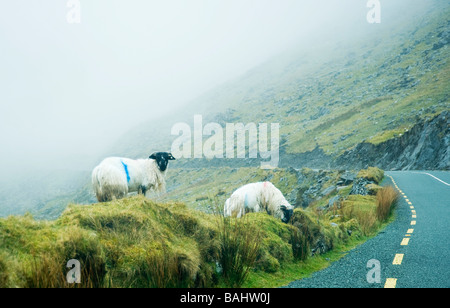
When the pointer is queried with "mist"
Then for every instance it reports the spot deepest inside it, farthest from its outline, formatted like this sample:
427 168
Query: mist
70 90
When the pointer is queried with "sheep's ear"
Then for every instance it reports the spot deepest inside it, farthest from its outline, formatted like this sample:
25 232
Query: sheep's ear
170 156
153 156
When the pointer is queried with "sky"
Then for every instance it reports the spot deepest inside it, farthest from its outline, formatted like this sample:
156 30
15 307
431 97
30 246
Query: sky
69 90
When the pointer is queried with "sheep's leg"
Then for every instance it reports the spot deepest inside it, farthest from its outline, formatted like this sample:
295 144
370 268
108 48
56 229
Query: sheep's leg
142 190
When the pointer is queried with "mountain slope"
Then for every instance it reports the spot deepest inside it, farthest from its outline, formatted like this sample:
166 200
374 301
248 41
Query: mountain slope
329 98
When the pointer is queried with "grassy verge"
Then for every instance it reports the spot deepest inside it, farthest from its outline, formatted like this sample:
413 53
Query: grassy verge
136 242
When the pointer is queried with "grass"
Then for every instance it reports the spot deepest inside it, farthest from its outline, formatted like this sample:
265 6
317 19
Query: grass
387 200
387 135
136 242
363 209
240 243
300 269
372 174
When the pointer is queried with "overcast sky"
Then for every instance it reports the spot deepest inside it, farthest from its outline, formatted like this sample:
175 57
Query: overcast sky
67 91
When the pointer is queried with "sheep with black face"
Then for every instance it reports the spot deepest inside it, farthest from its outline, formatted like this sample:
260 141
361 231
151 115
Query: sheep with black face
259 197
115 177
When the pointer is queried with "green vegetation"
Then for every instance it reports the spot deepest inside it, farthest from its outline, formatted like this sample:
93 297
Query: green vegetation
373 174
207 188
386 135
136 242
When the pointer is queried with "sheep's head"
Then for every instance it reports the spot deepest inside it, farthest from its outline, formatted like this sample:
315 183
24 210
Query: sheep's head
287 213
162 159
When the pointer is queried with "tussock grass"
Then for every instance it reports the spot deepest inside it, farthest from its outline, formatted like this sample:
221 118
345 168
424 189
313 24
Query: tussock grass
387 200
363 210
135 242
240 242
370 211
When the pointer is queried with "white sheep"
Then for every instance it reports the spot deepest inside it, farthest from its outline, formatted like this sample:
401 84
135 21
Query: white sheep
115 177
259 197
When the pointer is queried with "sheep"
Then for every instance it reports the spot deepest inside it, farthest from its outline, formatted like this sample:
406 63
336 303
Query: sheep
115 177
258 197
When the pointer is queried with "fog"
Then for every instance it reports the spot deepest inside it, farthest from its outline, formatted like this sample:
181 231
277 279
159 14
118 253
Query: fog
69 90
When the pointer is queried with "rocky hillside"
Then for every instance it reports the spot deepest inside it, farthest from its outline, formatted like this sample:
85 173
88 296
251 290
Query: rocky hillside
426 146
339 101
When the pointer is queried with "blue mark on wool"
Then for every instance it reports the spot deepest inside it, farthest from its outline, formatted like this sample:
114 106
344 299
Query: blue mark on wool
246 200
126 171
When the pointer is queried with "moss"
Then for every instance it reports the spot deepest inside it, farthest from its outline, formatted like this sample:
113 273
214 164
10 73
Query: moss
389 134
345 191
268 263
372 174
275 238
373 189
353 226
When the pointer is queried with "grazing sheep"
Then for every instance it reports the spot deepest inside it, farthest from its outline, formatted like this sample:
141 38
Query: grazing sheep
115 177
259 197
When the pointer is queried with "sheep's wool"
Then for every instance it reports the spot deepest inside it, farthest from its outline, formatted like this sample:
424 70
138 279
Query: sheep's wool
115 177
256 197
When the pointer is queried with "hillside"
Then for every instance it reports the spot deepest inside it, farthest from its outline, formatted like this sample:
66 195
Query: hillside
329 98
136 242
375 97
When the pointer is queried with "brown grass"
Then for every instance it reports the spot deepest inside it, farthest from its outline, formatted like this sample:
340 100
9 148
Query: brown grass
367 222
363 209
387 199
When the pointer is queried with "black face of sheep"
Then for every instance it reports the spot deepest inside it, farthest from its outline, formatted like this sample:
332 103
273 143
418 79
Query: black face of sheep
162 159
287 214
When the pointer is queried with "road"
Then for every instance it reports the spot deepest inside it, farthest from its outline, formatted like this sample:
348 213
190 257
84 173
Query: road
413 251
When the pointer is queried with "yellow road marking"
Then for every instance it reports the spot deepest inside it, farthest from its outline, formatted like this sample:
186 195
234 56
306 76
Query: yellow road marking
414 216
398 259
413 223
407 200
409 203
390 283
405 241
410 231
413 211
411 207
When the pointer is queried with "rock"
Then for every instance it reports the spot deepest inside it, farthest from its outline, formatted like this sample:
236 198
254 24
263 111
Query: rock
328 190
334 200
423 147
342 187
347 178
359 187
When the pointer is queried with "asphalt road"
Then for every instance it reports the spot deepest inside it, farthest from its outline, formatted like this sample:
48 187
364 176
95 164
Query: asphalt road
420 245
